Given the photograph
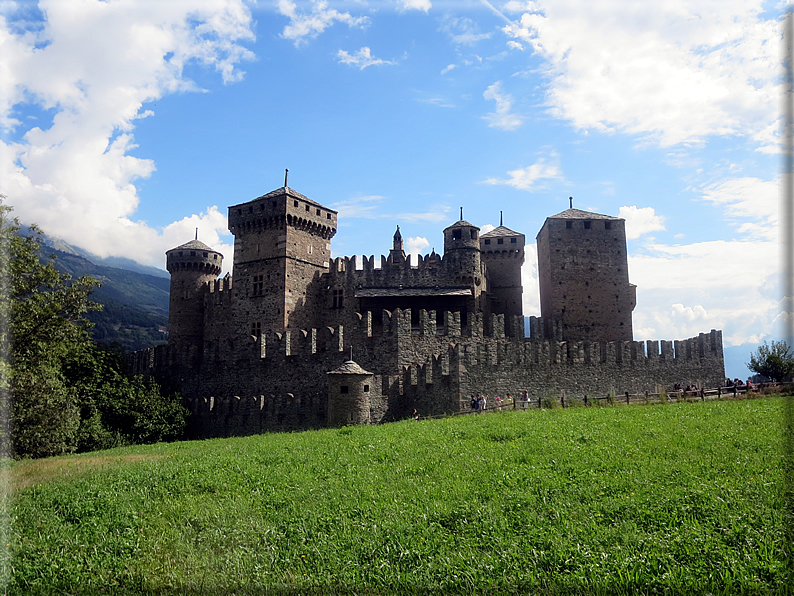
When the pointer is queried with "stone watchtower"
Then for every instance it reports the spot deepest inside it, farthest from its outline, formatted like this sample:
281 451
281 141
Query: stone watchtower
583 276
349 391
282 240
503 253
191 265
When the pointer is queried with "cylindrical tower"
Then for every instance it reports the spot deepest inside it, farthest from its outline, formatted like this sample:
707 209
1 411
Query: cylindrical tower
462 249
349 390
191 265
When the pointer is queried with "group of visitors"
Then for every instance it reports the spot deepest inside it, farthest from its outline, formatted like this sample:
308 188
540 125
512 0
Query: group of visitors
479 402
693 389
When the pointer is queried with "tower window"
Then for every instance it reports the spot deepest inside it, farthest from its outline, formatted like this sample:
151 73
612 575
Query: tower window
344 389
366 388
474 234
295 203
205 255
512 241
307 208
318 212
337 298
587 225
487 241
192 253
500 241
327 216
258 288
256 328
607 225
568 225
456 235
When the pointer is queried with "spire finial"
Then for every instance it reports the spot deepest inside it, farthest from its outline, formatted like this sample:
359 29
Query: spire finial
286 178
500 219
571 200
461 214
196 233
351 353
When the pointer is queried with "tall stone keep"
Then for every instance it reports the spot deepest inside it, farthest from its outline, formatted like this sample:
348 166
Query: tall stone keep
584 278
282 241
503 253
191 266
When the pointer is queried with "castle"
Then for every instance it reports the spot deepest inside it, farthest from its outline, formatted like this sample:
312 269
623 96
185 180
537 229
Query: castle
297 339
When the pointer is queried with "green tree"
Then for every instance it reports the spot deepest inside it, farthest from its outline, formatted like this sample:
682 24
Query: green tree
117 409
41 321
774 361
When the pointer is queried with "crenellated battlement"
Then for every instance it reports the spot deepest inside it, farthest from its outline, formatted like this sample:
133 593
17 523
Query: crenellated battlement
415 270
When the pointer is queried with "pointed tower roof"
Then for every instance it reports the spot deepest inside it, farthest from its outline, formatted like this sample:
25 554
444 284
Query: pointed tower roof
579 214
500 231
194 245
349 368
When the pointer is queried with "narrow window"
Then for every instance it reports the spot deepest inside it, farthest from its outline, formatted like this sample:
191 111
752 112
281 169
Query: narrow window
607 225
295 203
366 388
318 212
568 225
256 328
587 225
474 234
327 216
307 208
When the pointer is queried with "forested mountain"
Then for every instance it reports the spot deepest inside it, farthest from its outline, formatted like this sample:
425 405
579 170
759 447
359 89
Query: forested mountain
135 313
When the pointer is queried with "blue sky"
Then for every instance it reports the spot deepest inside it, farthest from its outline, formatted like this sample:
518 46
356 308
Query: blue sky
127 124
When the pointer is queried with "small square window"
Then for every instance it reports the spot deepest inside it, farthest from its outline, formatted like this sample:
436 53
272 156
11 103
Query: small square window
318 212
568 225
344 389
607 225
327 216
487 241
366 388
513 241
307 208
456 235
500 241
295 203
587 225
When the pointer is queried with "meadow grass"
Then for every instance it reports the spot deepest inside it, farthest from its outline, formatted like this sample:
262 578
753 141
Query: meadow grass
636 500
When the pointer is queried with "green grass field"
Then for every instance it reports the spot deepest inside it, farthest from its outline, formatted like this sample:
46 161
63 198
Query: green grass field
683 498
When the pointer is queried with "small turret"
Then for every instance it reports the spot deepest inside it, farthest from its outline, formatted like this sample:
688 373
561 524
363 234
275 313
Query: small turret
397 254
349 390
191 266
462 249
503 254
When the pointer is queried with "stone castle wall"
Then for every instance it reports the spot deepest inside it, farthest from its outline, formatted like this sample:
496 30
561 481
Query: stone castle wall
280 381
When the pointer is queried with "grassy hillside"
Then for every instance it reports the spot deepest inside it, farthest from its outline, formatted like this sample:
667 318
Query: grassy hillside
674 499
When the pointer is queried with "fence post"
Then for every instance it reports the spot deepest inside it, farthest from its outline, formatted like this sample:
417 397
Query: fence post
627 398
562 398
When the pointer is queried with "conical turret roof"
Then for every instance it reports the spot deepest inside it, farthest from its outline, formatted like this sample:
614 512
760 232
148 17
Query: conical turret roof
349 368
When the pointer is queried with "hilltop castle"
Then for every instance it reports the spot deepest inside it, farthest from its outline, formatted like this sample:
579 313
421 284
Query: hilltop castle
270 349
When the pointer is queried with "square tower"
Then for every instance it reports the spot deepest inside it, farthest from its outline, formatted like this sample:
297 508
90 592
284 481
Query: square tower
583 275
282 241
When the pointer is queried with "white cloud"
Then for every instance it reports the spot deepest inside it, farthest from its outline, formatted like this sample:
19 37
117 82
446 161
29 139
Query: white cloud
416 5
94 65
515 6
447 68
486 228
462 30
305 26
671 72
361 59
501 118
640 220
514 45
528 178
415 245
748 199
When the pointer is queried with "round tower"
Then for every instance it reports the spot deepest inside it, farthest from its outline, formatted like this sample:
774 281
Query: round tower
349 390
191 266
462 250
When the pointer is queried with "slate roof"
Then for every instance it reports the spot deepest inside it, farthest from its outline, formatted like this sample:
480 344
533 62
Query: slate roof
194 245
406 292
462 222
500 231
349 368
579 214
292 193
